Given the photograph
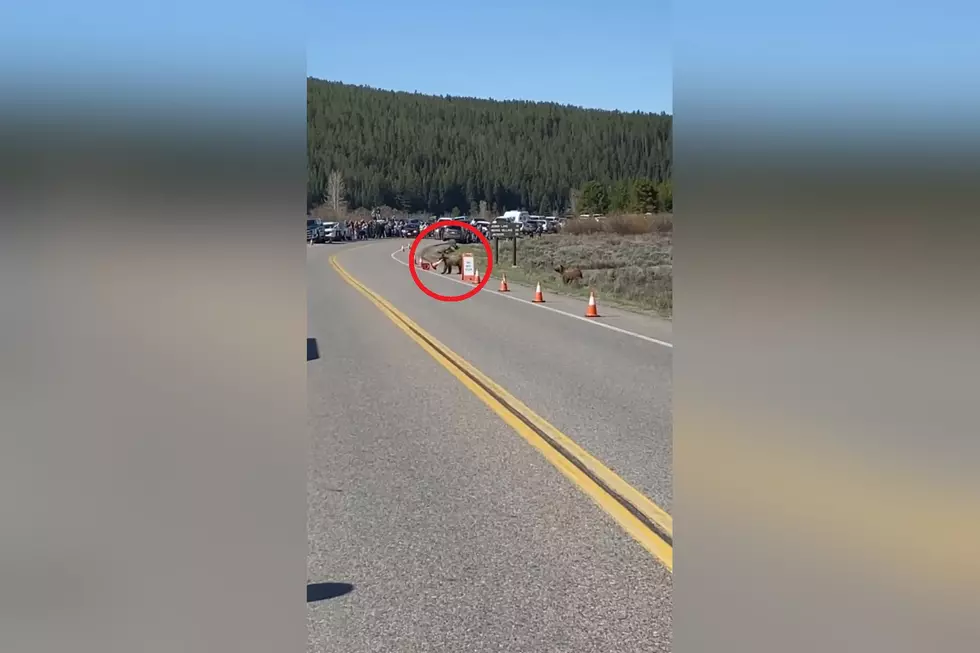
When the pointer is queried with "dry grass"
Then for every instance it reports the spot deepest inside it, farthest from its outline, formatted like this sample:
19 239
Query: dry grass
661 223
633 270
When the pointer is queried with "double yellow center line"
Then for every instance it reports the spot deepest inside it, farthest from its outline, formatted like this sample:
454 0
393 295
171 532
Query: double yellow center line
646 522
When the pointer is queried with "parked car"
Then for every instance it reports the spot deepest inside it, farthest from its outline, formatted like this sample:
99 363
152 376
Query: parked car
333 232
452 232
467 235
314 231
410 229
528 227
537 226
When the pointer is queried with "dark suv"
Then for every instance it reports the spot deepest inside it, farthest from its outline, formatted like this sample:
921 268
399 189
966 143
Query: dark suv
314 231
460 235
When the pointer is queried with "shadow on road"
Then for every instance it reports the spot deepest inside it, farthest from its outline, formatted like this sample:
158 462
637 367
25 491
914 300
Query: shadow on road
312 350
324 591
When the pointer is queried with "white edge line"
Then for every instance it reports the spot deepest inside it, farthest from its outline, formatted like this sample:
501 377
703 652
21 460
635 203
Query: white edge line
547 308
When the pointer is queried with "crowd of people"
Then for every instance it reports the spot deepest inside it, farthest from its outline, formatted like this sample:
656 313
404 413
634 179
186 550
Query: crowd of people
364 229
378 228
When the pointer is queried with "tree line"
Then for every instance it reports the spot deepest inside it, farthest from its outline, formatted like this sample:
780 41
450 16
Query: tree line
623 196
444 155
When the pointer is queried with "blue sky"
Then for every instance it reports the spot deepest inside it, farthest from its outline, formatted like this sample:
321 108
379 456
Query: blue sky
612 54
891 59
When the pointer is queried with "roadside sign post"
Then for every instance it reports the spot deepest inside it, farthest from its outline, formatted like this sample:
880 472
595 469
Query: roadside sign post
469 268
506 231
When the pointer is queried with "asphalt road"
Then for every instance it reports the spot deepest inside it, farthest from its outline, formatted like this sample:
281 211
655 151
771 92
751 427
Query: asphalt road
453 532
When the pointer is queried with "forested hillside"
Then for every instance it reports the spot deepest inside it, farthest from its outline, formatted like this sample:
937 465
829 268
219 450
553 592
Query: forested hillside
426 153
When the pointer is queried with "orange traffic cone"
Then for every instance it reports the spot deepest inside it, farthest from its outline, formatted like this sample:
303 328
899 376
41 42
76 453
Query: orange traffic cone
503 284
476 281
538 297
591 310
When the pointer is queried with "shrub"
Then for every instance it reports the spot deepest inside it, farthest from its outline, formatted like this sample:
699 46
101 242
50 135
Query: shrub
625 225
628 224
580 226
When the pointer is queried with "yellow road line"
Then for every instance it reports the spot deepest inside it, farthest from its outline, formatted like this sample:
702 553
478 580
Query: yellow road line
634 512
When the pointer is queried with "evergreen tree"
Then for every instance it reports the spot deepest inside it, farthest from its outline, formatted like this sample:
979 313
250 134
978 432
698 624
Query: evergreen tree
645 196
595 197
575 201
665 196
429 154
621 196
